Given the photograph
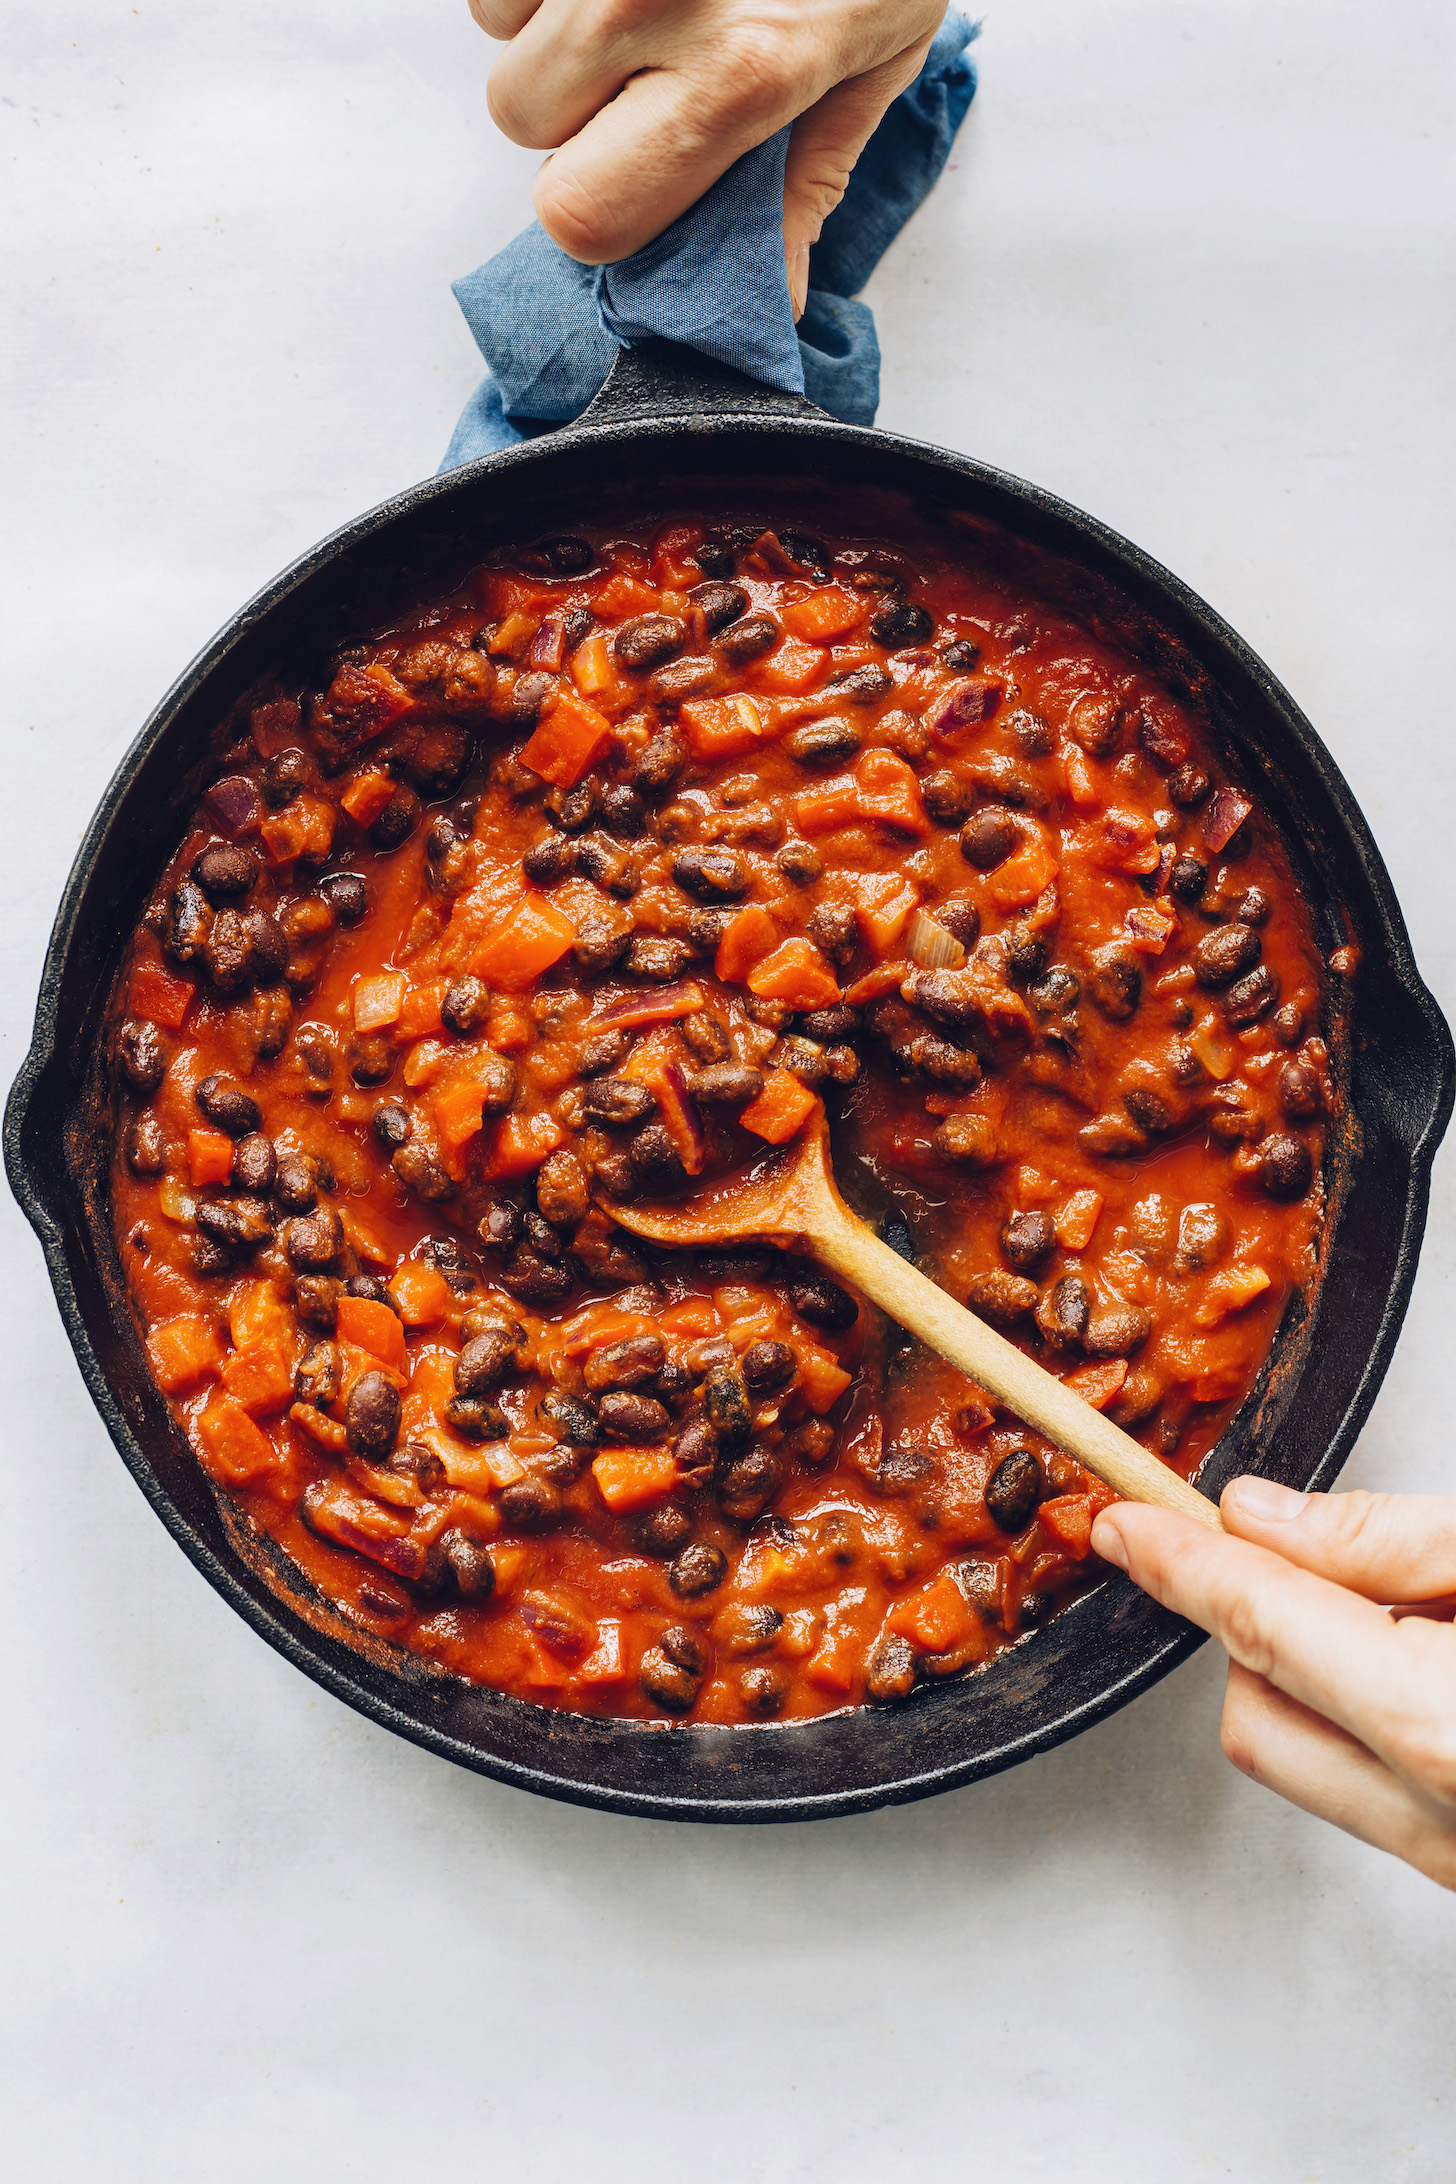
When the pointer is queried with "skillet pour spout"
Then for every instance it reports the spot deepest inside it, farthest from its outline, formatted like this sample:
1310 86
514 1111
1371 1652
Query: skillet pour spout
669 427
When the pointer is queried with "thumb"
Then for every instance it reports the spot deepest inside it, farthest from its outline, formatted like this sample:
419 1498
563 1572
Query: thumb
826 142
1397 1548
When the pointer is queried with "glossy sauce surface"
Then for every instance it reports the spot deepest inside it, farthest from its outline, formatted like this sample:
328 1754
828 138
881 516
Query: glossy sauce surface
591 878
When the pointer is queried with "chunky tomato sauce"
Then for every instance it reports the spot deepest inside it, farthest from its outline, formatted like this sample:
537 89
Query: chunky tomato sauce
594 877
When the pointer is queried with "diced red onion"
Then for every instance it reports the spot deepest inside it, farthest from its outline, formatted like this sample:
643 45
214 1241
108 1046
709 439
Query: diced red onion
233 804
1225 814
548 646
963 705
648 1005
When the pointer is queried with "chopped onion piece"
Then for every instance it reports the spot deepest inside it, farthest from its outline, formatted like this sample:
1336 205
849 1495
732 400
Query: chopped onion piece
930 945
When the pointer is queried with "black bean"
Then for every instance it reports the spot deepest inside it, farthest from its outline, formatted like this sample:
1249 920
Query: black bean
562 1191
531 1504
1014 1489
618 1100
799 862
947 797
637 1418
607 865
500 1225
989 837
649 640
718 604
764 1689
743 641
1300 1092
255 1164
832 928
705 928
316 1300
1114 984
577 807
824 742
1002 1297
744 1485
655 1159
443 836
465 1006
485 1361
960 655
397 821
890 1671
242 1223
668 1686
371 1060
348 894
725 1084
313 1241
969 1138
664 1530
469 1564
1112 1137
141 1058
391 1125
227 1107
477 1418
1118 1331
623 812
225 871
707 1035
1288 1024
902 1467
572 1418
189 923
626 1364
268 949
550 860
657 957
286 774
864 685
713 875
823 1303
727 1405
658 765
715 557
229 952
562 556
1063 1313
768 1367
540 1234
1026 1239
535 1280
209 1256
1188 878
374 1288
695 1450
1225 954
295 1182
1286 1168
1251 998
316 1379
146 1146
902 623
811 1444
1187 786
598 945
1032 735
528 695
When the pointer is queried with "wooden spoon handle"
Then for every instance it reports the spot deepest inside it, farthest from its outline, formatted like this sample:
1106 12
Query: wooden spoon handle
849 1248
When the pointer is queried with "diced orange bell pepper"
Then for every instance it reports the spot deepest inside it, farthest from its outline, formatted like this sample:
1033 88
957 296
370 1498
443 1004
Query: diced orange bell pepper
373 1327
522 1142
512 639
234 1449
824 615
183 1351
508 1028
936 1619
1068 1518
378 1000
886 789
1077 1220
158 997
780 1109
797 973
531 936
569 738
421 1292
260 1378
749 937
634 1478
367 794
209 1157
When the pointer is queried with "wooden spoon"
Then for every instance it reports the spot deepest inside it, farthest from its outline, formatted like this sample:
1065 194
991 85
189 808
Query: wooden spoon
791 1198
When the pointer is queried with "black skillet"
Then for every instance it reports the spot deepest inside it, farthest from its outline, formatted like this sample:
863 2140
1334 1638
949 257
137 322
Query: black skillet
665 421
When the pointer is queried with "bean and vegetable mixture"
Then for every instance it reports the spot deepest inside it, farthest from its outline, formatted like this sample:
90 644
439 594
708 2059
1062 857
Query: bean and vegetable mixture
591 879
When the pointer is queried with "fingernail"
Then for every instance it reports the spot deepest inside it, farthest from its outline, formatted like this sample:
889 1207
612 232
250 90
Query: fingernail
799 280
1108 1543
1266 1500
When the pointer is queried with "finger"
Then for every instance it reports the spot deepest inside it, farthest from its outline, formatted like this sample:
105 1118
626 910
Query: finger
566 61
639 163
503 18
826 142
1387 1546
1392 1685
1284 1747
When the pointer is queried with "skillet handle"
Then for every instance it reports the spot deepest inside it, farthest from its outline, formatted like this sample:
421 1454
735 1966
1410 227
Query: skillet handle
660 380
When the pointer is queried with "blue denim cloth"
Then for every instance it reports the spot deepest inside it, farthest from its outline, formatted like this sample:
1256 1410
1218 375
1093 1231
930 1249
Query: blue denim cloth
549 328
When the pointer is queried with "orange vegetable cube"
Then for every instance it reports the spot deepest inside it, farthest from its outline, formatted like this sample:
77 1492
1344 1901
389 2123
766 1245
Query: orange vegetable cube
832 1668
721 727
822 1379
607 1663
1068 1518
367 794
1229 1291
530 937
364 702
522 1142
833 804
824 615
261 1378
378 1000
514 635
1098 1384
507 1027
158 997
622 597
209 1157
797 973
304 828
234 1449
936 1619
183 1351
591 667
780 1109
569 737
420 1013
1077 1220
793 668
373 1327
421 1292
883 903
749 937
634 1478
1023 876
886 789
257 1314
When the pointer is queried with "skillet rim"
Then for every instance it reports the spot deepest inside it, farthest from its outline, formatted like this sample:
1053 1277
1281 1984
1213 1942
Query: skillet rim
656 394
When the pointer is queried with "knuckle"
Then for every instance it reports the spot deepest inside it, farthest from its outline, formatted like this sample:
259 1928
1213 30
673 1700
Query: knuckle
1243 1631
1233 1736
576 221
754 72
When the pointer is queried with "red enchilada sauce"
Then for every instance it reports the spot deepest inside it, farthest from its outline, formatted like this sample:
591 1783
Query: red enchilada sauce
591 878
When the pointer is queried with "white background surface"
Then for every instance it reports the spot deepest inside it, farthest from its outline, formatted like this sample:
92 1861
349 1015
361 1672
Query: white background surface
1193 269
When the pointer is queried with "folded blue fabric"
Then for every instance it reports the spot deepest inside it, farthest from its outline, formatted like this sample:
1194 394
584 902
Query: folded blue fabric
549 328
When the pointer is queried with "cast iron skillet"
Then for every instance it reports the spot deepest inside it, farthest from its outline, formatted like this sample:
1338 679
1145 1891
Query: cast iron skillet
665 418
